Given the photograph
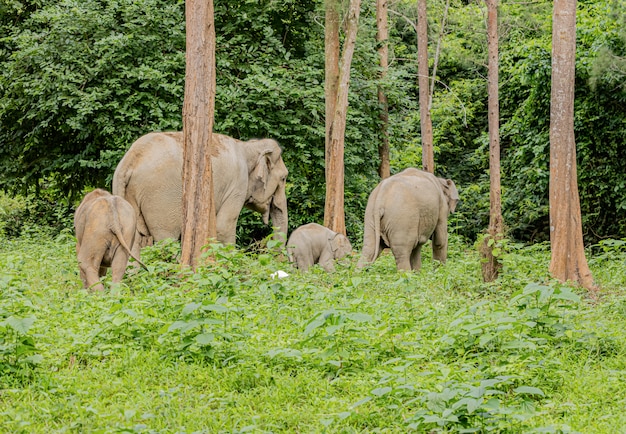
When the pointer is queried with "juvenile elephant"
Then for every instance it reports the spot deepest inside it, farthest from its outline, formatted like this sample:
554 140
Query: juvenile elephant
312 243
250 174
403 212
105 233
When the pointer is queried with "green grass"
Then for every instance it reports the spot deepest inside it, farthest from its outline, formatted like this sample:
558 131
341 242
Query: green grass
228 349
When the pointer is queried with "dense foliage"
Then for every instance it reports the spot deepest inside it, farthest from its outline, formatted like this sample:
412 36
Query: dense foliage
81 79
229 349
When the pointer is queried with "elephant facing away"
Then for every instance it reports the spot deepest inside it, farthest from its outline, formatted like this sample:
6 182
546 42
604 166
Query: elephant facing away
250 174
403 212
312 244
105 233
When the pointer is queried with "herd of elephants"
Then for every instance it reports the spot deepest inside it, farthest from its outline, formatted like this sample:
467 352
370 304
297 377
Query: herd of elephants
403 212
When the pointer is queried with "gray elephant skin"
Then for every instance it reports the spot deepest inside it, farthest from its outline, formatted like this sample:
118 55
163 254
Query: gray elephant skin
105 233
403 212
250 174
312 244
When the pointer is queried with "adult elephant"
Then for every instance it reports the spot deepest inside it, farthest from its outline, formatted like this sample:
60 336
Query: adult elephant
250 174
403 212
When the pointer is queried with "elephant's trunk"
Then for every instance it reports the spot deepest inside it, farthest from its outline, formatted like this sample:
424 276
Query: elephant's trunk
278 213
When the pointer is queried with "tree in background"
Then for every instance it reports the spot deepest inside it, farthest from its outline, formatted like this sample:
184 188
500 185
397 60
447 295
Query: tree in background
490 264
382 38
428 158
198 200
568 262
334 213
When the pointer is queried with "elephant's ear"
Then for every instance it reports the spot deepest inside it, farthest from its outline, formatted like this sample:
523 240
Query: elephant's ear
333 240
262 168
450 191
259 179
336 241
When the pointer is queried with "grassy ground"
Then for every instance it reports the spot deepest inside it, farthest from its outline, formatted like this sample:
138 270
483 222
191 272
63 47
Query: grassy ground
228 349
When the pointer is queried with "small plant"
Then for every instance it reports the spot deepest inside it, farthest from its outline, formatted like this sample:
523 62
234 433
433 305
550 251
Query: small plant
202 332
18 353
337 338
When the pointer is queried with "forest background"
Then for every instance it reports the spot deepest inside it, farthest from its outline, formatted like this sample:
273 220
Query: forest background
80 80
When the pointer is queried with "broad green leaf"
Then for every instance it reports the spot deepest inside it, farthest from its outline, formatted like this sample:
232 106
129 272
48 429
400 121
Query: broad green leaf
20 325
381 391
205 338
529 390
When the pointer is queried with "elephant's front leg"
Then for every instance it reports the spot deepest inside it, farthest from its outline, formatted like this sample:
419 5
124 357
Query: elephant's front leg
440 243
327 260
226 224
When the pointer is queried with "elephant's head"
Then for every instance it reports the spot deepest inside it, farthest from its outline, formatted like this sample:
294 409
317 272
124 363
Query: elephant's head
267 175
340 245
451 193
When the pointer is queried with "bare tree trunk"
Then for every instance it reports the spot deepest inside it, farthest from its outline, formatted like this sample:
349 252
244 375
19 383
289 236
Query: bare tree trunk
428 158
442 28
334 212
382 38
331 82
568 262
198 205
490 265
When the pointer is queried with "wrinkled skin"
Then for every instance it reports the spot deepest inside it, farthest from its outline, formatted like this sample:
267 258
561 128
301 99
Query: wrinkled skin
312 244
403 212
105 233
250 174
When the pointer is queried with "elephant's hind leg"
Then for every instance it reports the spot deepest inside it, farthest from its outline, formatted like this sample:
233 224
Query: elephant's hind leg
416 258
118 265
403 257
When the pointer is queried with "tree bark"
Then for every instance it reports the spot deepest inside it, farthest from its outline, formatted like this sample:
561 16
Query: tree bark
428 159
382 37
331 82
199 223
568 261
491 266
334 212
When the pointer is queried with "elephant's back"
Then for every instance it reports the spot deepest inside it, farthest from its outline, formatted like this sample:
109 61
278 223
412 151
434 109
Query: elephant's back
409 208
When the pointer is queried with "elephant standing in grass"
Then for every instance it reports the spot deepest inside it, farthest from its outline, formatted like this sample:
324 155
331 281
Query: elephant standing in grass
250 174
105 233
403 212
312 243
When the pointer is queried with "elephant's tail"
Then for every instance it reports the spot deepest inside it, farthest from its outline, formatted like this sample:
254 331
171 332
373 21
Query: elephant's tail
116 228
120 181
378 214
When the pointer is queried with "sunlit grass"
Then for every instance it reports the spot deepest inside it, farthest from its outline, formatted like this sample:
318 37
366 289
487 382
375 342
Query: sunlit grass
229 349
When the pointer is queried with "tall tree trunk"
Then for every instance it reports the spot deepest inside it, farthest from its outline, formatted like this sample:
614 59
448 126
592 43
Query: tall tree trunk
428 158
568 262
442 28
382 37
490 264
198 204
331 81
334 212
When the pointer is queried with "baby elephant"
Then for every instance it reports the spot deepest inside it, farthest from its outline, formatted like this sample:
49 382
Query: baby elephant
312 244
105 232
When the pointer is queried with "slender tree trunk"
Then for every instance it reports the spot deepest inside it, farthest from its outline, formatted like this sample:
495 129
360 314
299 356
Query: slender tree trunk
382 37
198 108
490 264
568 262
428 158
331 81
442 28
334 212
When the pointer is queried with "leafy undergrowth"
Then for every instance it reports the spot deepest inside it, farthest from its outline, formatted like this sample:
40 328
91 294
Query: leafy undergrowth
230 349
